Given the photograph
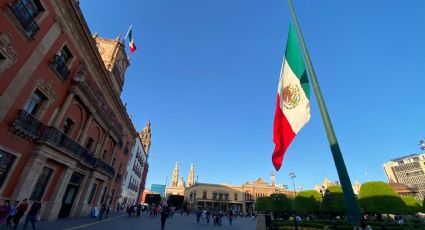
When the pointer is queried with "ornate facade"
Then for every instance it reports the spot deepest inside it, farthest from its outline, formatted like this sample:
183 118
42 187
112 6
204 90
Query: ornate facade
65 135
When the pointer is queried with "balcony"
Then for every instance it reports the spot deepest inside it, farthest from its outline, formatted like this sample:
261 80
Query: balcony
25 15
103 166
55 137
60 67
26 125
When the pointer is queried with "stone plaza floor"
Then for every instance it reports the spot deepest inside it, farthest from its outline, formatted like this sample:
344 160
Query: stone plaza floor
121 221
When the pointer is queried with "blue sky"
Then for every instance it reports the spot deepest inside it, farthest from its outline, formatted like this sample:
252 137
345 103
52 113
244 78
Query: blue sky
206 74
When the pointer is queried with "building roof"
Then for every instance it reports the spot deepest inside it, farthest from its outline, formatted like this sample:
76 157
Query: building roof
408 156
402 188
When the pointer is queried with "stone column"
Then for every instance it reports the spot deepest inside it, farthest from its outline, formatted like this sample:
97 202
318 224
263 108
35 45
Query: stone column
111 156
29 176
80 207
83 134
62 110
100 145
51 210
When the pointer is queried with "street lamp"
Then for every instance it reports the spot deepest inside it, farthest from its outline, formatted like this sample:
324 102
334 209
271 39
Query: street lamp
422 144
293 176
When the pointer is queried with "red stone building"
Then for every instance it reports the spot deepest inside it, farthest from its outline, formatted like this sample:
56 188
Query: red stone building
65 135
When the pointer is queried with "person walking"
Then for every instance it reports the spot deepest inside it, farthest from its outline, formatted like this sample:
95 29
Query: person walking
107 212
4 211
102 211
20 211
32 214
198 215
231 215
208 215
12 214
165 212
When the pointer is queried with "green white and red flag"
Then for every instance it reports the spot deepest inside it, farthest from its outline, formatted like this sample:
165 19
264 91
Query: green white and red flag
132 45
293 99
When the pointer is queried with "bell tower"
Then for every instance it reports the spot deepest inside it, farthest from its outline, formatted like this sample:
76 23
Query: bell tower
145 135
115 59
191 177
175 179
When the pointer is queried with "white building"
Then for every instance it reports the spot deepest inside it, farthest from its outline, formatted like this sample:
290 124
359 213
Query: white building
133 177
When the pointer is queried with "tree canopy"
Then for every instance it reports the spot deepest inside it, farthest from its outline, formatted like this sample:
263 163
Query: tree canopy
279 203
333 201
175 200
153 199
307 202
377 197
412 205
263 204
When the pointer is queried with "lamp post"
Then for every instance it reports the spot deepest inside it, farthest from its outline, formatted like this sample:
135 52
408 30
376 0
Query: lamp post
422 144
293 176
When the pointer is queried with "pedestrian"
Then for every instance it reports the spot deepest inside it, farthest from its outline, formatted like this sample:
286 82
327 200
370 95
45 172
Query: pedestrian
4 211
20 211
32 215
12 214
198 215
107 212
102 211
231 215
165 212
208 214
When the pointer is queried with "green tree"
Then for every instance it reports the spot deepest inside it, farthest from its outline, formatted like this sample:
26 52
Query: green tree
307 202
423 205
175 200
412 205
377 197
279 204
333 201
263 204
153 199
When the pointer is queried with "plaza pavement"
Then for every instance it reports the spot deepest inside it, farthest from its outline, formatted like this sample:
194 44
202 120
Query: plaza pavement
121 221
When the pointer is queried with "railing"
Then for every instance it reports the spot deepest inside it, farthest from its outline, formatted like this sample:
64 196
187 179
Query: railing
25 16
27 123
56 137
60 66
100 164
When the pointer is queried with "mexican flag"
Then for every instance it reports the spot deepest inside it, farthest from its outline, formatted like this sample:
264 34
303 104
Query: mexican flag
132 45
293 99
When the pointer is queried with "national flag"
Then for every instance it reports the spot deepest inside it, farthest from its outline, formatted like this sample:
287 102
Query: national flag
132 45
293 99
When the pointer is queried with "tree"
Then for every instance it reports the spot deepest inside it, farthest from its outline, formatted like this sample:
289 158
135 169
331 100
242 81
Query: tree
153 199
333 201
263 204
175 200
377 197
423 205
279 204
412 205
307 202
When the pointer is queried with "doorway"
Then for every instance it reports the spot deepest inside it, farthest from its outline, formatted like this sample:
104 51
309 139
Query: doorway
70 194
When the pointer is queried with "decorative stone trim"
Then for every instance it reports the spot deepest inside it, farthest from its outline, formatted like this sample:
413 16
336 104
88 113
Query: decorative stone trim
7 51
45 87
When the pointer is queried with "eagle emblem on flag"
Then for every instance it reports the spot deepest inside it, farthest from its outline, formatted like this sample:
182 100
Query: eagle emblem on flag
291 96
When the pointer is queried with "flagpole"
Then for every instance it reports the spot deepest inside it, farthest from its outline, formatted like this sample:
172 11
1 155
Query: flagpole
126 35
350 199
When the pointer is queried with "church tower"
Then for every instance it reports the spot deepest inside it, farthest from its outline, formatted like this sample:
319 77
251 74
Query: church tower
115 58
175 179
191 177
145 135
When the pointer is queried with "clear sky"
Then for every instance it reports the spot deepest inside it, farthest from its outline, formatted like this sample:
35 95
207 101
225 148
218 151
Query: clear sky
206 74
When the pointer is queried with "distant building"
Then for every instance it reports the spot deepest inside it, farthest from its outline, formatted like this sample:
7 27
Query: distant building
224 196
145 137
327 183
158 188
408 170
177 187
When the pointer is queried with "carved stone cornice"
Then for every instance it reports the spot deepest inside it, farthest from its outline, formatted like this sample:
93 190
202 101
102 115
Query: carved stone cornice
7 51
